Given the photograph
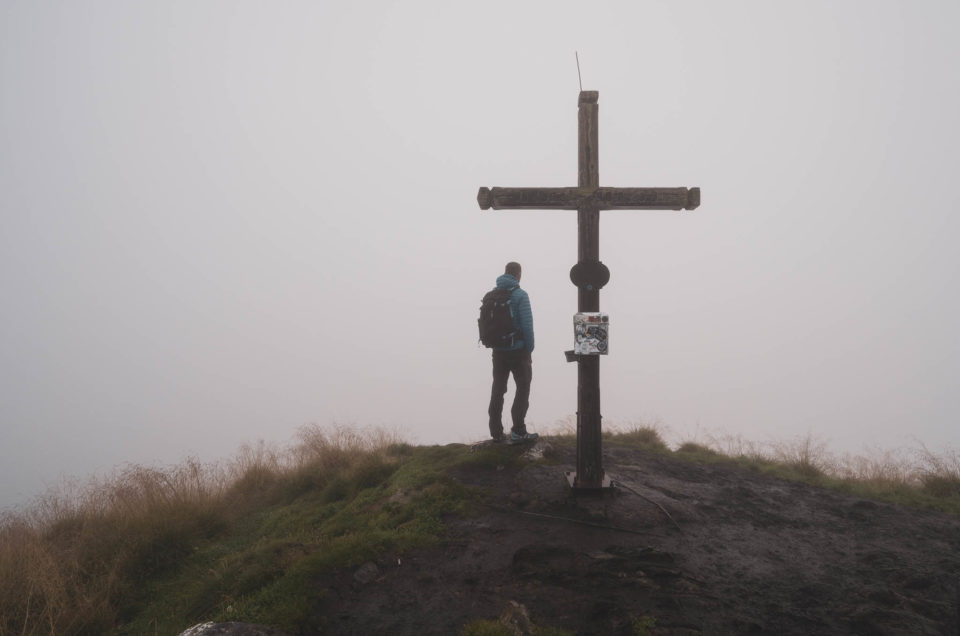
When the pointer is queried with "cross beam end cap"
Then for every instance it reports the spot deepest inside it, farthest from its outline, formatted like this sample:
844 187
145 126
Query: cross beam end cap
484 198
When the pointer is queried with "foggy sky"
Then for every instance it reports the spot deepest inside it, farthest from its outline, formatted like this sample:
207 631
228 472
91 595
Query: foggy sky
220 221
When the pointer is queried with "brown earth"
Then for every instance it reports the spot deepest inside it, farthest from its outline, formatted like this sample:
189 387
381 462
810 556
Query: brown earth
700 549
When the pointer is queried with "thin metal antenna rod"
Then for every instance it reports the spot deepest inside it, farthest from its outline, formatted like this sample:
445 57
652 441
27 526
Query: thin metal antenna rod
580 79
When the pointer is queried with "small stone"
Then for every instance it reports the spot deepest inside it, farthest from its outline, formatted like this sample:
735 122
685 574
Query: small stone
518 499
516 619
366 573
399 497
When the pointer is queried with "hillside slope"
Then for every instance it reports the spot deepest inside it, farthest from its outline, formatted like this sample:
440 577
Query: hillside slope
682 548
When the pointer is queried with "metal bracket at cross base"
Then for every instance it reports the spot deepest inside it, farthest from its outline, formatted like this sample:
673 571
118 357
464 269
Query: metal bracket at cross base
606 485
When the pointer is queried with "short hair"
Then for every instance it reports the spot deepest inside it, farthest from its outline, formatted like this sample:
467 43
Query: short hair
513 269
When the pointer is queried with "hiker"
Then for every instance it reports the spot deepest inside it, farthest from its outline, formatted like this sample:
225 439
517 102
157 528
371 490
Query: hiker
513 356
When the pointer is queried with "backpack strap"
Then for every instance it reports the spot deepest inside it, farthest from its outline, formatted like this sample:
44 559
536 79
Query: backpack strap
513 334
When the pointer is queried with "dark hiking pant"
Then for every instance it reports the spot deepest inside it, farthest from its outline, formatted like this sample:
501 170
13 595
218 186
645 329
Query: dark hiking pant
520 364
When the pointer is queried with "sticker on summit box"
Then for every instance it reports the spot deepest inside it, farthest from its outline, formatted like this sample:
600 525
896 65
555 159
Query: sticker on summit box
591 333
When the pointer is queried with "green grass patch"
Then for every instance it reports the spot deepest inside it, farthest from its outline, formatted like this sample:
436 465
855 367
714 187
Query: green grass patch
485 627
266 569
638 436
155 551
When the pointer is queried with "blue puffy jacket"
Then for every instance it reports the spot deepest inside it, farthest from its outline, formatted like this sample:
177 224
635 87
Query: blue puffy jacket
520 312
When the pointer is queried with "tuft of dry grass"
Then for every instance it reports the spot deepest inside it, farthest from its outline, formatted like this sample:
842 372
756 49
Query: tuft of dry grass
878 469
939 475
640 434
339 447
737 447
805 454
66 561
695 449
77 559
563 427
903 475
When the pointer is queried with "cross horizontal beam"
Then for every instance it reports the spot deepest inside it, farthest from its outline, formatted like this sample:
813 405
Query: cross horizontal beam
595 198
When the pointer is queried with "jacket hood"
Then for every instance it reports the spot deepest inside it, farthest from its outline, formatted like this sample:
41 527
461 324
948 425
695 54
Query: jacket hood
506 281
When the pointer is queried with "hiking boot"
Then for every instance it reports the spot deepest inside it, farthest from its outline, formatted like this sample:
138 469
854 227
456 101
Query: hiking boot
498 439
523 438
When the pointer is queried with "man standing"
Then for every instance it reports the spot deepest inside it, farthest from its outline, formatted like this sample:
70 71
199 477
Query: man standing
513 357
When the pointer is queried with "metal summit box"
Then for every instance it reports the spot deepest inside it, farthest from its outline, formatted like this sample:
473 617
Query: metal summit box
591 333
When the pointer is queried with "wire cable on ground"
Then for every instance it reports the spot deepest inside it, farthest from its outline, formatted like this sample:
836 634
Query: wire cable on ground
620 484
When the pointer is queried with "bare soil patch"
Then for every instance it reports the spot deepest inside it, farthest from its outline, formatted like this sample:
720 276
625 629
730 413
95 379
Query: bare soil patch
700 549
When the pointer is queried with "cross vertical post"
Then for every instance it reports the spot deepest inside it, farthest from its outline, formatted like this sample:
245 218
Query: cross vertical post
589 473
589 274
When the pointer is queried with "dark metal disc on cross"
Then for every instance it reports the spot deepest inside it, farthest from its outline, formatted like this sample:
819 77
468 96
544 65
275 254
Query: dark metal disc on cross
589 274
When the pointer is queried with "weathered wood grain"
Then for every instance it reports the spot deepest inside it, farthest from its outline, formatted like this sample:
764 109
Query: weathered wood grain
602 198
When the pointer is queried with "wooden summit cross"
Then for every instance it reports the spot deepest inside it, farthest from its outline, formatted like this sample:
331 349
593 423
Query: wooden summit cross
589 274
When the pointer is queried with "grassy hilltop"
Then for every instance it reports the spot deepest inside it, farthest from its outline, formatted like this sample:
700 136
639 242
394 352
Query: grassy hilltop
448 535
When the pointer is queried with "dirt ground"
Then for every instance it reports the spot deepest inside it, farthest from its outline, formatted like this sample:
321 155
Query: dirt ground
699 549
